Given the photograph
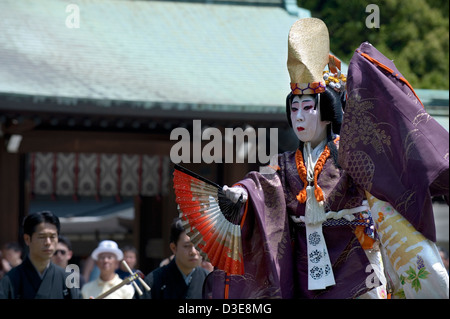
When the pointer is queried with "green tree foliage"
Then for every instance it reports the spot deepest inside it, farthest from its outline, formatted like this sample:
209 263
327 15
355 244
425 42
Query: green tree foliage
413 33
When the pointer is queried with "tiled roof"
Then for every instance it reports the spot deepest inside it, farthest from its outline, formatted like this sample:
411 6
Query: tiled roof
174 55
153 51
241 2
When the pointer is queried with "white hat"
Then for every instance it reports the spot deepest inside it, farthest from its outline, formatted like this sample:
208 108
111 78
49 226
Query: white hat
107 246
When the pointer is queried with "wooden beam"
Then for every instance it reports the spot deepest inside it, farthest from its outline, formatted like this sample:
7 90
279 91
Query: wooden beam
94 142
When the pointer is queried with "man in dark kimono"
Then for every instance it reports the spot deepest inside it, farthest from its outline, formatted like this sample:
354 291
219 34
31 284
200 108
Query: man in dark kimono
37 277
183 277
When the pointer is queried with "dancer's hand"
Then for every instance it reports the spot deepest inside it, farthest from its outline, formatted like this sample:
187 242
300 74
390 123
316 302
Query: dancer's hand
235 192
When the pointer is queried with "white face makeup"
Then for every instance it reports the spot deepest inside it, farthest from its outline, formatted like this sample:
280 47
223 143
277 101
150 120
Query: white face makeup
306 121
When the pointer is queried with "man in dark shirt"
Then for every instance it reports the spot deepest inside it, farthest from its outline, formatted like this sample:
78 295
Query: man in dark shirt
183 277
37 277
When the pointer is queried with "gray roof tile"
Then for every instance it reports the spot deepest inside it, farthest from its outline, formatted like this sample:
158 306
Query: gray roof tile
157 51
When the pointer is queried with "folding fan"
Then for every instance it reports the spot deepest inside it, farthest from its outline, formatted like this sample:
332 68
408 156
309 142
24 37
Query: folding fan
210 219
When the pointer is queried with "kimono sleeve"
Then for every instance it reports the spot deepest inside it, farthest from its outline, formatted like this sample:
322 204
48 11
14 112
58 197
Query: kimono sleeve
390 145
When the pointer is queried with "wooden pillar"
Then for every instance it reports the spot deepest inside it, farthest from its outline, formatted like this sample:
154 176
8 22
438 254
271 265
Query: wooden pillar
169 212
10 194
150 229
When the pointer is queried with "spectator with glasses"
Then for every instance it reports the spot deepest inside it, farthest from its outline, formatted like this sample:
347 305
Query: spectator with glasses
63 254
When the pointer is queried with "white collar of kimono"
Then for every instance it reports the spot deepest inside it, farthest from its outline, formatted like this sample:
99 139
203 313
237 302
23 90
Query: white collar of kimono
320 271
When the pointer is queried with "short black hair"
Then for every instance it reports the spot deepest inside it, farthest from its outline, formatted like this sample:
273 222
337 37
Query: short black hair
66 241
13 246
31 221
175 230
129 248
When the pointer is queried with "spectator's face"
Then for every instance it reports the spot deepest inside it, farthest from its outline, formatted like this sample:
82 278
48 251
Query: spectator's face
186 256
11 255
62 255
444 260
107 262
42 243
130 258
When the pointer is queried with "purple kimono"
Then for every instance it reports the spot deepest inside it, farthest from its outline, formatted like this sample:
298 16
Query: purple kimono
274 247
389 144
389 147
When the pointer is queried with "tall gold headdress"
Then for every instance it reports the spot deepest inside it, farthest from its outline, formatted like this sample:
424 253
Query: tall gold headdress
308 55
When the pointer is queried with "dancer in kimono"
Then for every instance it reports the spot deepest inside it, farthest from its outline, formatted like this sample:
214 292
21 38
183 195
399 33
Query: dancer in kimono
37 277
348 214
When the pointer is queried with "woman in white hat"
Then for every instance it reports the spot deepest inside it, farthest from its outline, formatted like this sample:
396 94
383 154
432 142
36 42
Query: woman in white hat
107 256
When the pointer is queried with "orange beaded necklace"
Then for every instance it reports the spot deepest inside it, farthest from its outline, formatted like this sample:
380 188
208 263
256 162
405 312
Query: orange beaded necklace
301 169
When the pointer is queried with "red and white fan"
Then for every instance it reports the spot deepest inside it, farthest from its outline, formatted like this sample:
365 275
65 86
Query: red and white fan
210 219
